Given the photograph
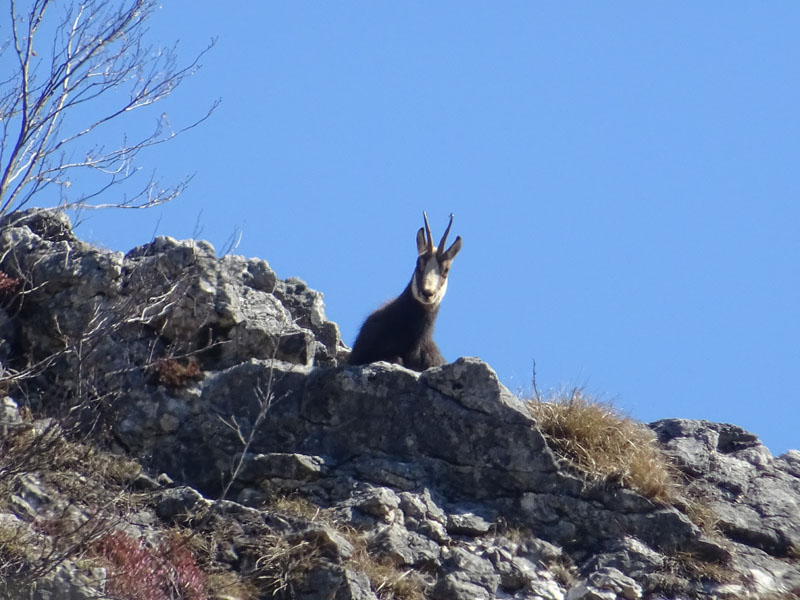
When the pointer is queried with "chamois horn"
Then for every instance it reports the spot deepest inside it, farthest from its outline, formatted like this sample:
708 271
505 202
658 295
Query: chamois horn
429 237
440 250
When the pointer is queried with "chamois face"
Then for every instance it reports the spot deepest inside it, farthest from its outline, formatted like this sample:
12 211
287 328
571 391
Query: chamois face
429 282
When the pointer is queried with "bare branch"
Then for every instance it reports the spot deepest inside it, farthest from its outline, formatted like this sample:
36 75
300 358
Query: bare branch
60 100
265 394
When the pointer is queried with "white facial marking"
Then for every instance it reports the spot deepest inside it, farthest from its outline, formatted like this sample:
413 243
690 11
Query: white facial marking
433 284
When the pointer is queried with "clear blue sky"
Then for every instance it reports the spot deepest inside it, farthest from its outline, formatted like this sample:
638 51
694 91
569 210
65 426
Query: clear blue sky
625 176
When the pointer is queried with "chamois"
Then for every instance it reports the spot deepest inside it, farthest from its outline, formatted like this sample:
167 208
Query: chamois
402 331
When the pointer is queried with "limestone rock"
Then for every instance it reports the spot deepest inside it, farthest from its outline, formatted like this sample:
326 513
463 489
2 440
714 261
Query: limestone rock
467 523
607 583
200 367
404 547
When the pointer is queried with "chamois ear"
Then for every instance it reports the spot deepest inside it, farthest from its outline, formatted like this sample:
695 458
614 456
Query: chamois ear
453 250
422 243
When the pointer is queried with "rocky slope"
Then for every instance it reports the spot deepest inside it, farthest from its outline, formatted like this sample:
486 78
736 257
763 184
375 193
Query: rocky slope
282 472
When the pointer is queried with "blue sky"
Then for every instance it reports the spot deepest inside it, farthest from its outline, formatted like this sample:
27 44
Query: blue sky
624 175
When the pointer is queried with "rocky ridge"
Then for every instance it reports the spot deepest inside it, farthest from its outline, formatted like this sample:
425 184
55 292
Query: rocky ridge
222 380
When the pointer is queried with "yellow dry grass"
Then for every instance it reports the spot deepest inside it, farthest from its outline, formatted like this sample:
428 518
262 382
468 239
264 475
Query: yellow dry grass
388 580
606 445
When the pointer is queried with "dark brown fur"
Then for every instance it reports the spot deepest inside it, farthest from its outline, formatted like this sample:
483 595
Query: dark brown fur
400 332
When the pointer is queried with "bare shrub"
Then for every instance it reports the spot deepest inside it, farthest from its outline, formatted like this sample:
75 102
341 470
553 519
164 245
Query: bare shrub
83 497
71 70
28 449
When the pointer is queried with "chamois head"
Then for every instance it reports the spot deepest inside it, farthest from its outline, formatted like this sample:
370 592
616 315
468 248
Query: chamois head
429 282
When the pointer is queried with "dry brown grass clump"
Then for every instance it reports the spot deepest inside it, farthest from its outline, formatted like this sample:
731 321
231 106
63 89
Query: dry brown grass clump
282 565
606 445
81 471
276 564
297 506
388 580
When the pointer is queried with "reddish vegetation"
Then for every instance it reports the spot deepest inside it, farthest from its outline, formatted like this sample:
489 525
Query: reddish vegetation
177 374
8 284
137 570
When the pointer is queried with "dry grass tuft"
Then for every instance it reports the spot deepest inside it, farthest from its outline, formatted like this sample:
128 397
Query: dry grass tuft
606 445
392 583
80 470
295 505
681 566
222 582
228 585
282 565
388 580
699 510
793 551
17 548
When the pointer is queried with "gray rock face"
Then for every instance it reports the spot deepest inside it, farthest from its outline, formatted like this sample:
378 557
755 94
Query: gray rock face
173 292
9 414
200 366
67 581
607 583
754 497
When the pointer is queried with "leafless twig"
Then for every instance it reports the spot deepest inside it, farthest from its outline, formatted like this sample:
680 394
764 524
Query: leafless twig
68 82
535 389
265 395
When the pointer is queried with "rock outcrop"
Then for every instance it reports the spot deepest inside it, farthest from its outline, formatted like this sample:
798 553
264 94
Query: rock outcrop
230 383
